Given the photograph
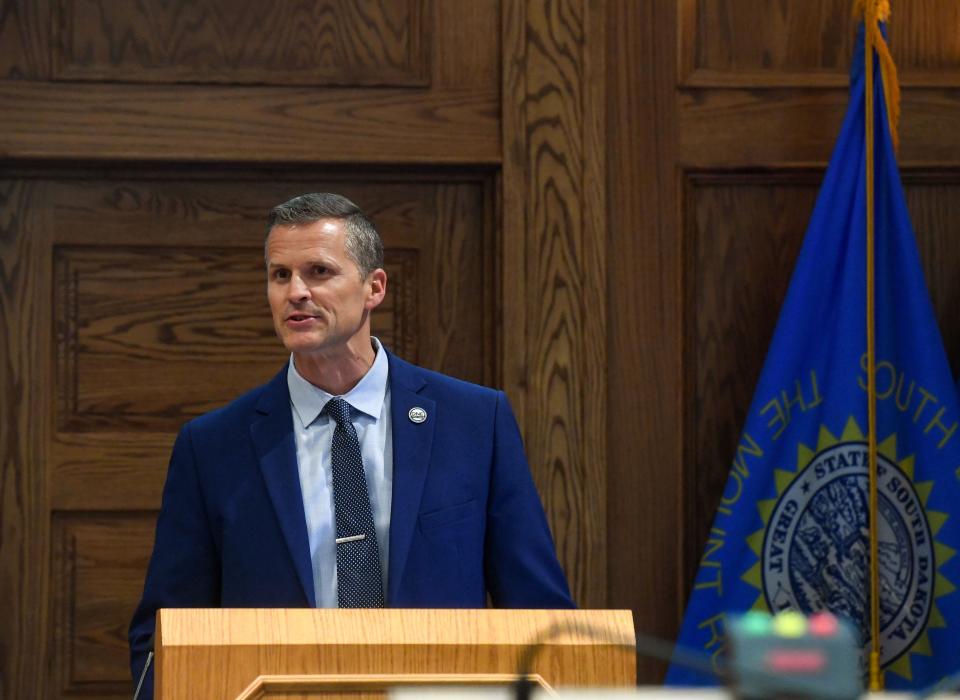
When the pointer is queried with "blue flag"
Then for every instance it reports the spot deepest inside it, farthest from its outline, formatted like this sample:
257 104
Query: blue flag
791 531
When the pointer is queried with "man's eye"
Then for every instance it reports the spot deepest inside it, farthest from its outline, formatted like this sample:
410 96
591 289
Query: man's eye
281 274
319 270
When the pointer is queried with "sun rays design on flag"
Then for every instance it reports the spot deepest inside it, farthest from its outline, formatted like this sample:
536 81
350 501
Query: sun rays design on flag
902 636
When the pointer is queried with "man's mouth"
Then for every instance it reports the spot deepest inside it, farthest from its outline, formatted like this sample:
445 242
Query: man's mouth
299 317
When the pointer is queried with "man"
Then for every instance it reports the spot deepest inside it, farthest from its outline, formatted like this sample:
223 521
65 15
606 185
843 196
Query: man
353 478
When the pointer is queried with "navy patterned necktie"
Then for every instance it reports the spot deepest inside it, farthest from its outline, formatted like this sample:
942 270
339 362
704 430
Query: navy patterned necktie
359 581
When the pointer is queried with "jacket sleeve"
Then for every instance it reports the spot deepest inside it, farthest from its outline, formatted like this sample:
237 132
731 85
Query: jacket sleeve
520 560
184 570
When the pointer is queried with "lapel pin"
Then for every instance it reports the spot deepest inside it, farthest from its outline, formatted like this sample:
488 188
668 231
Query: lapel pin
417 415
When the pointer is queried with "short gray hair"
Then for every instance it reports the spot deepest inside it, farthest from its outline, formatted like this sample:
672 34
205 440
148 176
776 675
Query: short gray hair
363 243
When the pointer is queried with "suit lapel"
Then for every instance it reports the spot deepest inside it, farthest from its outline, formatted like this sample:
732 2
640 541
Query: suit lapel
276 448
412 444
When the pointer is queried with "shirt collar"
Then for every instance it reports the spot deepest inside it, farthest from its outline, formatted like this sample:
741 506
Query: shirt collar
367 396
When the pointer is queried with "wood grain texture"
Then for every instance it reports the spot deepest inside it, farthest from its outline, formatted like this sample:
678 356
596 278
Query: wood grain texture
933 200
511 278
454 250
222 651
594 300
103 471
150 337
645 374
24 429
248 124
316 42
465 42
745 232
25 39
775 128
98 564
566 406
767 43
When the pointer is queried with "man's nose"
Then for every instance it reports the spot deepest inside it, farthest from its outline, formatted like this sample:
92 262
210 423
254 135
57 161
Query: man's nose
297 290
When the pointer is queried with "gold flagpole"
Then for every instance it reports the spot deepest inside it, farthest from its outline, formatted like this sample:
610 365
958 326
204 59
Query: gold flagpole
876 679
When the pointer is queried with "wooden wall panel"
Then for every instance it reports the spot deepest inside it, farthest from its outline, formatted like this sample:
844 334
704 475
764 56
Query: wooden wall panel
143 143
245 100
788 127
25 39
150 337
248 124
152 285
98 564
933 199
555 268
467 51
644 384
770 43
744 233
318 42
25 427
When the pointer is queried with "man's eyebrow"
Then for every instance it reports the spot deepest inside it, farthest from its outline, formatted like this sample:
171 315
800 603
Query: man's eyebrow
323 262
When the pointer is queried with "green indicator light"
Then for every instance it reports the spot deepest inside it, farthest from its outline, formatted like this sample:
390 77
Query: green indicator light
790 624
755 623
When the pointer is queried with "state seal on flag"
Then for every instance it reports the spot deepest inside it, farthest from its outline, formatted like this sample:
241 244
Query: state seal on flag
815 548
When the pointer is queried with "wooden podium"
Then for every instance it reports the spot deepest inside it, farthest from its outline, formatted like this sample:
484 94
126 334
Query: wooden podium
307 653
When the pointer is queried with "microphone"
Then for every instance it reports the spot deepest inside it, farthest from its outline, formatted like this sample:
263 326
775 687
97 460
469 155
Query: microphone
146 667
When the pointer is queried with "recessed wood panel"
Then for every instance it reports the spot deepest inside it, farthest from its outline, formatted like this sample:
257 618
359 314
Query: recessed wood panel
745 232
149 337
933 200
98 564
318 42
769 42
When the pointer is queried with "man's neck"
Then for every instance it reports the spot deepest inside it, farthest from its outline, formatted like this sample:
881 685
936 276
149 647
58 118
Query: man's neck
337 372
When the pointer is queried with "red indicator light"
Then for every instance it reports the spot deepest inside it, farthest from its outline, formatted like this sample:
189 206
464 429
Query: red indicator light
795 661
824 625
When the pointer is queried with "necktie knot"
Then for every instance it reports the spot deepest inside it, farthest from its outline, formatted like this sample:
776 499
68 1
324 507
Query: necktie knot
338 409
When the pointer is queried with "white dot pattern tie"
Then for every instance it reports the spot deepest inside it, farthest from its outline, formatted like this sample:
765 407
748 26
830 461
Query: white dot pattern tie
359 581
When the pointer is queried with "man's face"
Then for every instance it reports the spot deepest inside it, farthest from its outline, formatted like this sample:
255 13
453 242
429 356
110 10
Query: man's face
318 299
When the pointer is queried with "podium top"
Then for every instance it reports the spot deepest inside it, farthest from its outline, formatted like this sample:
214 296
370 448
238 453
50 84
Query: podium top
295 626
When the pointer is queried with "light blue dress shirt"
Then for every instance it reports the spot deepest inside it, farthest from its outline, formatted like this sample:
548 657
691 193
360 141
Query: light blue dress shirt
314 434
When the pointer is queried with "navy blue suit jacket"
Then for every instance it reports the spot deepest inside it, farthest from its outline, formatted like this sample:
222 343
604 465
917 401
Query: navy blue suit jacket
466 519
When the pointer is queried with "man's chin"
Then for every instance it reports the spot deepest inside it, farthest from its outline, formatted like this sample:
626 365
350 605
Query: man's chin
301 344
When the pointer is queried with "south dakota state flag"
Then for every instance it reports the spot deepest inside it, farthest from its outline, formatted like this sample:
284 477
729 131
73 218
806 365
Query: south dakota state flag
791 531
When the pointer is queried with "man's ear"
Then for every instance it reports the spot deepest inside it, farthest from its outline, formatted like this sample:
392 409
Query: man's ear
378 288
